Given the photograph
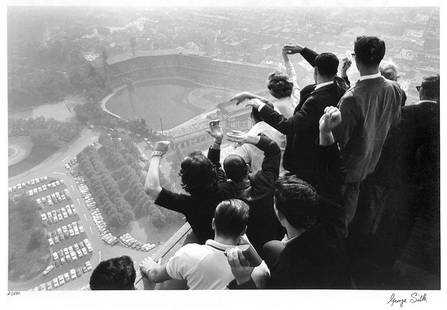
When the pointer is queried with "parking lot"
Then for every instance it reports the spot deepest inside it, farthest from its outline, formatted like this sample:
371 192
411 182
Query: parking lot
69 245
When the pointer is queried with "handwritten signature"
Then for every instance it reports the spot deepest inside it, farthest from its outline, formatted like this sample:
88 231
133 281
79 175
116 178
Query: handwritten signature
414 298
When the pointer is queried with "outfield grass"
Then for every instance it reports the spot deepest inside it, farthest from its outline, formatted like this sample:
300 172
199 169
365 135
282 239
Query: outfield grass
165 99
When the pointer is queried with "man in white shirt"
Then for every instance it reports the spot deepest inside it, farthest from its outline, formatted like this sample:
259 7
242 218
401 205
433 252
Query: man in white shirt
205 267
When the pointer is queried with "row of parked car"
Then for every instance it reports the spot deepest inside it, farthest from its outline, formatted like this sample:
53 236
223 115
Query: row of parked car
70 254
64 232
101 225
53 198
57 215
45 187
22 185
64 278
129 241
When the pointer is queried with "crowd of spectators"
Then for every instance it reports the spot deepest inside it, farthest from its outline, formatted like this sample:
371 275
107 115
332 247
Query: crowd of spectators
354 203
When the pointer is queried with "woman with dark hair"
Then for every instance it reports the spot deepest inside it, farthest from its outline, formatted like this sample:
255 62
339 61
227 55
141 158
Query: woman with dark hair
200 178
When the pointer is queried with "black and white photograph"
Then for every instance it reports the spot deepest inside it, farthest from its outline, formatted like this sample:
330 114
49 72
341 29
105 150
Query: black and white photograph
276 150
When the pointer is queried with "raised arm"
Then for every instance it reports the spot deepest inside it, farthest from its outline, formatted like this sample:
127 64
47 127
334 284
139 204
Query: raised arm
291 73
278 121
152 185
308 54
330 171
216 132
272 153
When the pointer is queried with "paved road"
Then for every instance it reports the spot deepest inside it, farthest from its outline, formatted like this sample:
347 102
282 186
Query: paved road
55 163
54 167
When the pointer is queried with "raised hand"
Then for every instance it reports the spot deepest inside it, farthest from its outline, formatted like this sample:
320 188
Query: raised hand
240 267
345 65
241 97
292 48
330 119
241 137
215 131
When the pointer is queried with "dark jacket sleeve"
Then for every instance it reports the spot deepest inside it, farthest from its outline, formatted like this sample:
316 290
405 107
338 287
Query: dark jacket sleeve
172 201
309 55
330 172
289 125
214 157
330 178
265 178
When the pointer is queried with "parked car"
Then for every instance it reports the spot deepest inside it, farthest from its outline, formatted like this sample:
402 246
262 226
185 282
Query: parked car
73 274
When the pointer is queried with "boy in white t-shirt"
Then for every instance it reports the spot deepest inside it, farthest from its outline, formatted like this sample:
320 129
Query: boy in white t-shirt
205 267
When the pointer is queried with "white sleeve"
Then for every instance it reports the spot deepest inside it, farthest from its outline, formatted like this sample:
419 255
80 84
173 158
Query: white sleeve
260 275
261 104
179 264
292 76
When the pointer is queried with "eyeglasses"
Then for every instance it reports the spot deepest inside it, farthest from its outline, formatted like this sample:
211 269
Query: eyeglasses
418 87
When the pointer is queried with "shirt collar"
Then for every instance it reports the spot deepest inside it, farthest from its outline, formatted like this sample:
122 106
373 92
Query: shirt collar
323 84
217 245
369 77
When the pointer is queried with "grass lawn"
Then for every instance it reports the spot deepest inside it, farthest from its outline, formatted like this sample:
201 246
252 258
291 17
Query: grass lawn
157 99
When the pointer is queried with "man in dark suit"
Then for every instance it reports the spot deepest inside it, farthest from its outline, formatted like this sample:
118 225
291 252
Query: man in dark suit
310 56
301 129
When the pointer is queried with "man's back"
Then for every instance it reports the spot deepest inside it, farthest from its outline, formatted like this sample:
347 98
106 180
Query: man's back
204 267
315 259
369 109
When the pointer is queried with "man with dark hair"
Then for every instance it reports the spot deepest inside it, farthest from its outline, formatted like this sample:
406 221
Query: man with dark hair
250 153
206 266
313 255
200 177
114 274
255 189
369 109
301 129
310 56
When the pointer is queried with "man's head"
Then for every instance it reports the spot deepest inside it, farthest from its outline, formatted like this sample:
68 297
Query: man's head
255 114
235 168
369 52
296 201
388 70
279 85
114 274
429 88
231 218
197 173
326 66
